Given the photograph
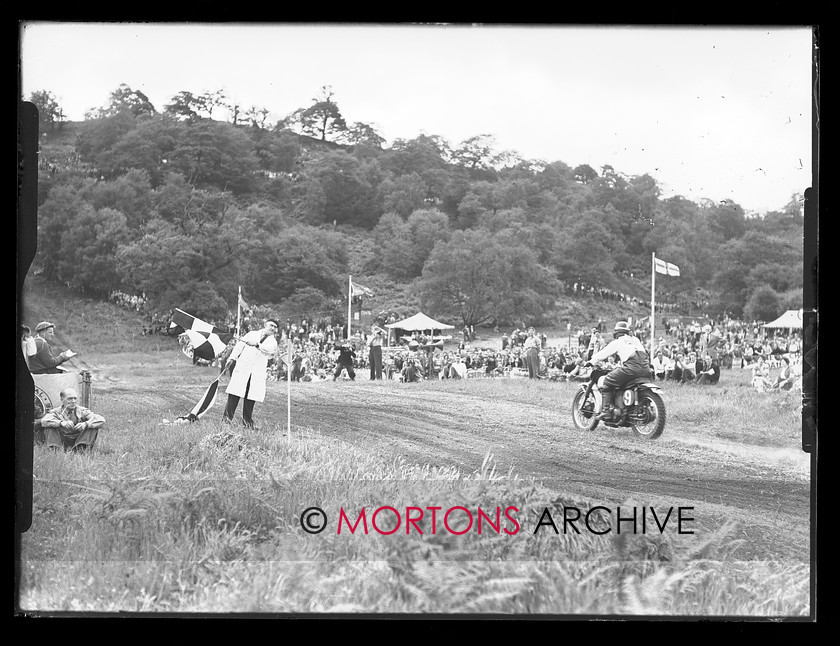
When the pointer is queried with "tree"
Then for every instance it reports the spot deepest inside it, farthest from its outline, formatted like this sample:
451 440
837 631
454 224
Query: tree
323 118
556 175
779 277
736 259
97 137
584 173
126 99
339 184
209 101
55 217
419 155
87 259
181 203
403 195
476 152
258 116
235 108
184 105
426 227
277 151
130 194
726 220
363 134
391 239
403 246
276 266
582 252
478 277
187 266
147 146
49 111
763 304
214 153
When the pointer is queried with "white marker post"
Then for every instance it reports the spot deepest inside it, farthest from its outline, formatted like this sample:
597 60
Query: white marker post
349 305
652 302
238 310
289 389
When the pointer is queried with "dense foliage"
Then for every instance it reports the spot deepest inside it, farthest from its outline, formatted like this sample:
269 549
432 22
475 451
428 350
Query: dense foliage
183 207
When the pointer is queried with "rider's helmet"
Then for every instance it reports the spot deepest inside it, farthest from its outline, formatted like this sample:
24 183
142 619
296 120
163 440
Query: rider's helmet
621 328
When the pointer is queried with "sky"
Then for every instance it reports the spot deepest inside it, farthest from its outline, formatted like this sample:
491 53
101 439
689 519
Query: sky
709 112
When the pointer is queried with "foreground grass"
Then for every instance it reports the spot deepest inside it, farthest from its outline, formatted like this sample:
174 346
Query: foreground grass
204 518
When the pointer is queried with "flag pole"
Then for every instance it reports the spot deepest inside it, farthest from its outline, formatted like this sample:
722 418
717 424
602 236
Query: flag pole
652 301
289 390
238 310
349 304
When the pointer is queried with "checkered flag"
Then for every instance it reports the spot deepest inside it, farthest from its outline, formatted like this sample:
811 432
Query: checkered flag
207 341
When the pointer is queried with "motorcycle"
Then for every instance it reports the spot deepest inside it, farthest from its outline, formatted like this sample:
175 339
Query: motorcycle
638 405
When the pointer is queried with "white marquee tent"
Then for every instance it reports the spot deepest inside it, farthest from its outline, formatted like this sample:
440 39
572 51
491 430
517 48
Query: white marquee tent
420 323
790 319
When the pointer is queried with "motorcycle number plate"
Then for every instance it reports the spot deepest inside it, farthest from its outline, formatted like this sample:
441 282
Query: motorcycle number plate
628 397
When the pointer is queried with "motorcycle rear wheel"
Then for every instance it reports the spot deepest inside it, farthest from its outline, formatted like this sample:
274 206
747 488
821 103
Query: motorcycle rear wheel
584 410
654 414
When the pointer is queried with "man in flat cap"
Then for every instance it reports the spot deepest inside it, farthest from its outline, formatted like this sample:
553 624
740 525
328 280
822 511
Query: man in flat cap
70 425
43 362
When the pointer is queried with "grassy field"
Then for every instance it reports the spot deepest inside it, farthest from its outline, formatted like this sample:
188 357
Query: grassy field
206 517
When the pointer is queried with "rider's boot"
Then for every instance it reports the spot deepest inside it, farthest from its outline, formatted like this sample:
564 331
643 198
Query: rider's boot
606 406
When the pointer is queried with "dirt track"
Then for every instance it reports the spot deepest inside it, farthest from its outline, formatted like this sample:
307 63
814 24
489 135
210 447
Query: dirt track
767 489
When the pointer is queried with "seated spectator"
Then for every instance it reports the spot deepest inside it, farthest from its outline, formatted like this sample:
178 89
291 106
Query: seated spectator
458 369
489 363
298 369
661 365
726 355
761 375
411 371
70 425
786 377
710 372
43 362
747 356
682 371
579 372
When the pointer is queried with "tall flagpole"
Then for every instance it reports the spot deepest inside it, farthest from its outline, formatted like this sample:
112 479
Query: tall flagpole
349 304
652 301
238 309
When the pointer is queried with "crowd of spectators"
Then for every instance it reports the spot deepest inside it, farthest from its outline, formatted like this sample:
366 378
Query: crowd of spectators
686 352
156 322
698 351
580 289
686 349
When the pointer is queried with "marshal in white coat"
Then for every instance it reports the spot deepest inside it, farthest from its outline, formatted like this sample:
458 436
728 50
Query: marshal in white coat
251 363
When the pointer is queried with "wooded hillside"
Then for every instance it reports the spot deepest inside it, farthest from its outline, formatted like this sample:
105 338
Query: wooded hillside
182 209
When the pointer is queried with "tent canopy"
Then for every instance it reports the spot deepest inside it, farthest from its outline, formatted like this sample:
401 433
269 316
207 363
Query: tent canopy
419 322
790 319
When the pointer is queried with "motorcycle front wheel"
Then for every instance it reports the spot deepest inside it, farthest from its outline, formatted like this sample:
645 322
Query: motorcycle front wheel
647 419
584 410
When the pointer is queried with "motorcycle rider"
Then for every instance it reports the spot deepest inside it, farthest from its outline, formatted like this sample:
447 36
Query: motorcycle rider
634 359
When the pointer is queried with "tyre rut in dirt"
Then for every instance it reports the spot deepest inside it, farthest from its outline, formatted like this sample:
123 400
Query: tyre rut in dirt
656 412
583 412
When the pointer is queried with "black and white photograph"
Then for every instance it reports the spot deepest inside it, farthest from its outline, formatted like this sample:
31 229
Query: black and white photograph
415 320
